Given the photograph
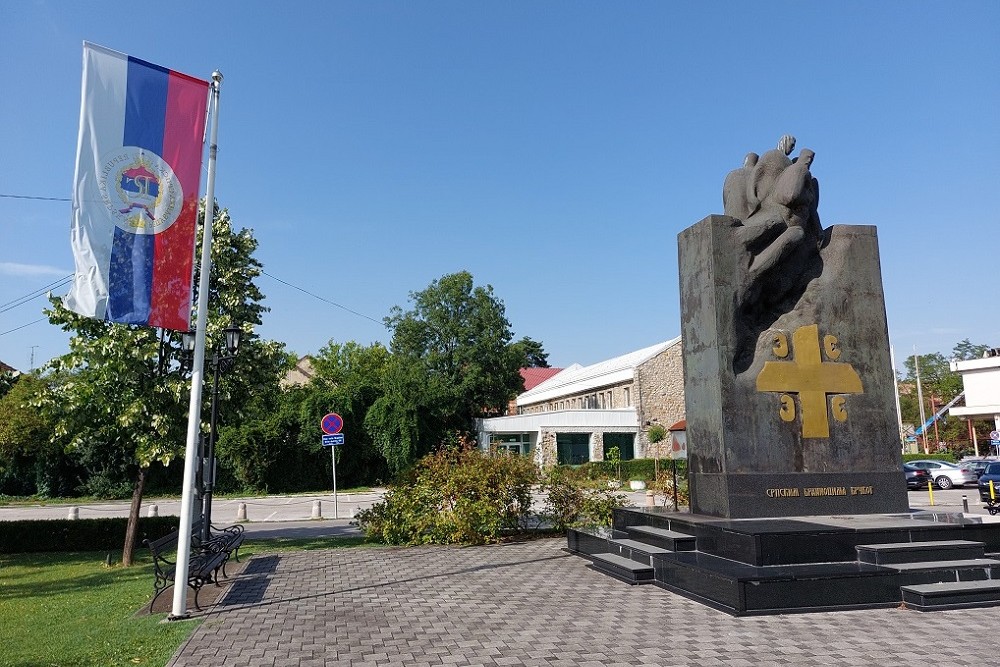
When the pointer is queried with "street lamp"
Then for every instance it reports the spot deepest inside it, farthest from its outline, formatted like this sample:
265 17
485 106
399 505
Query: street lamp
222 361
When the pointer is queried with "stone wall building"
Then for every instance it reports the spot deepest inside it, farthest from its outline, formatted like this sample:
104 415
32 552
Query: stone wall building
580 413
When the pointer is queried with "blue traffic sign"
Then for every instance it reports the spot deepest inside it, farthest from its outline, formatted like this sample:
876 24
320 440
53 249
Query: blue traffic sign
332 423
332 439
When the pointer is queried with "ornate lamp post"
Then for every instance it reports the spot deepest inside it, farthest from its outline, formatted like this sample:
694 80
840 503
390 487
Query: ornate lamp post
222 362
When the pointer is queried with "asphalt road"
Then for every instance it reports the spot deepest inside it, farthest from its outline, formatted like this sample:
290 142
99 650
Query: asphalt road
293 516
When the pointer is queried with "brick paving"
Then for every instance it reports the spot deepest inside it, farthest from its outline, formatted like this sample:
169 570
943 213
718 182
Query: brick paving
532 604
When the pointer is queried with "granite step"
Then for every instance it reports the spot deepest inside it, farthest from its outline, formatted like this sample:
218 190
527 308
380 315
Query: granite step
968 564
624 569
911 552
951 595
662 537
641 552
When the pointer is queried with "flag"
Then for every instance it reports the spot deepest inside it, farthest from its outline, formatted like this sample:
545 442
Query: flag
135 190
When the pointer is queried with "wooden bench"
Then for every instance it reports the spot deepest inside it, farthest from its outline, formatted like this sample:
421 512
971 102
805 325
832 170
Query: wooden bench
204 561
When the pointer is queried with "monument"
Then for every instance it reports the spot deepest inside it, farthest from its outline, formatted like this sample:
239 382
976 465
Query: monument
787 374
797 497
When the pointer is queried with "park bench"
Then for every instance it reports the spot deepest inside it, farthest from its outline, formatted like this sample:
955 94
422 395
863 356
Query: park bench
205 559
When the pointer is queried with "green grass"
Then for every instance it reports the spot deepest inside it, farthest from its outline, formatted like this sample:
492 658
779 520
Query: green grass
71 610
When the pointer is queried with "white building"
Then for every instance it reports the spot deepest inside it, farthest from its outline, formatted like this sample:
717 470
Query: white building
580 413
981 378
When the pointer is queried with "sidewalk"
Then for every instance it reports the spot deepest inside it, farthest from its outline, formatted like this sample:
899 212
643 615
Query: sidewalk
532 604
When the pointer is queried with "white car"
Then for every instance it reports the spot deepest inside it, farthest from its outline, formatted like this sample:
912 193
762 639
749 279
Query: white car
945 474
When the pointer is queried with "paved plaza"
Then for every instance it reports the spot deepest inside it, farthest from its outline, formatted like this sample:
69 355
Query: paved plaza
532 603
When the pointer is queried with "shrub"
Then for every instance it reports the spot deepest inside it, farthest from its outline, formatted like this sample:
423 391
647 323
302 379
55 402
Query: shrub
928 457
454 497
569 504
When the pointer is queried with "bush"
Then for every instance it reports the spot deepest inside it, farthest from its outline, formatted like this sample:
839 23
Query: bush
78 534
454 497
569 504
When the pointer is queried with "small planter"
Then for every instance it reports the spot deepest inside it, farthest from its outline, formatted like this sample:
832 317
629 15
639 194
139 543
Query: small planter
637 485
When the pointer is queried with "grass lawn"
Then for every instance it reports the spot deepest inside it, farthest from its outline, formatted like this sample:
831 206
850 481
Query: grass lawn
71 610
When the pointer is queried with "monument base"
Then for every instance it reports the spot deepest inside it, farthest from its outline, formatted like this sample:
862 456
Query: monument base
741 496
926 560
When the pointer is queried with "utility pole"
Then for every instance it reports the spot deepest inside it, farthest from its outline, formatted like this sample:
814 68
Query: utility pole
31 368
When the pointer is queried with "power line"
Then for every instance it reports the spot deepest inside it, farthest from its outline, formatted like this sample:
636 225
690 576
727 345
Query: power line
20 301
5 196
41 319
324 300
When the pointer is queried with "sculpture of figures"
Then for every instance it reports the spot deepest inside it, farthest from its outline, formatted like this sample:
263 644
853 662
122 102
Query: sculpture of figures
798 192
778 230
767 171
734 192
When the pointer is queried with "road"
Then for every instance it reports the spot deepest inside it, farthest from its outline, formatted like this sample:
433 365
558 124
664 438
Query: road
272 516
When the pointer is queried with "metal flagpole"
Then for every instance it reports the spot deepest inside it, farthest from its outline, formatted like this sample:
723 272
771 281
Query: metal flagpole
920 400
179 610
895 384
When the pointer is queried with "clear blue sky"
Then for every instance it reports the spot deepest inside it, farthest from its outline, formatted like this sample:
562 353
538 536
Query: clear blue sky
555 150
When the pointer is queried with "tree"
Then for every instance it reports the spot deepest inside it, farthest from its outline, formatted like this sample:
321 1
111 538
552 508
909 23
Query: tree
119 399
276 447
532 352
29 462
965 350
452 361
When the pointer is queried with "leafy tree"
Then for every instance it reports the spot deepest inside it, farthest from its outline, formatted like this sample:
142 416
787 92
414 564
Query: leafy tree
277 447
452 361
965 350
29 462
532 353
118 400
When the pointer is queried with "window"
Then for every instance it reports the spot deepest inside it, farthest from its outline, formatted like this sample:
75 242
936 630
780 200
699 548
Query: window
625 442
573 448
515 443
628 398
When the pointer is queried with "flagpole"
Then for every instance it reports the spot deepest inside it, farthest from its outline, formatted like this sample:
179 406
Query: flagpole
179 610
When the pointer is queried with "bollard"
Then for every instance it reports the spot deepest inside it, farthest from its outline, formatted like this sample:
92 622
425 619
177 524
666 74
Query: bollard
965 504
154 511
74 513
317 509
241 512
930 491
650 499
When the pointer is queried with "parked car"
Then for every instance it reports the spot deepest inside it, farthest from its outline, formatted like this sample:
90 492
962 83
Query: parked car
978 465
945 474
916 478
992 473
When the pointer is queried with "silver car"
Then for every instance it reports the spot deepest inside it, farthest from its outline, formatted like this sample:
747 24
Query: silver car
946 475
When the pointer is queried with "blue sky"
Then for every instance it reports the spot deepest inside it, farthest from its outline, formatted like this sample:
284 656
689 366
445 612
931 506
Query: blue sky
554 150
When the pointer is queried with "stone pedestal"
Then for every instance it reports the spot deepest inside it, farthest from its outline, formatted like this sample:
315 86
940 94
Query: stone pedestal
787 377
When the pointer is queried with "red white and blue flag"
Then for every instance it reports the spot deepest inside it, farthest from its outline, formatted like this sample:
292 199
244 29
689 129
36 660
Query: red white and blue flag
135 196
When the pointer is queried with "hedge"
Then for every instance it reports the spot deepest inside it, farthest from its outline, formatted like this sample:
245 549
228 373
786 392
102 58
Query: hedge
644 469
928 457
28 536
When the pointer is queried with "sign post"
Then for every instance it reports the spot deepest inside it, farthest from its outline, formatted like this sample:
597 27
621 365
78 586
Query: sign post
332 437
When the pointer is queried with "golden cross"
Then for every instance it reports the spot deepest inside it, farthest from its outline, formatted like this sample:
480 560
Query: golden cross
811 378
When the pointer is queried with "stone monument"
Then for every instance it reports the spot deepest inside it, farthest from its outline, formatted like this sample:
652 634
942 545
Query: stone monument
787 375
